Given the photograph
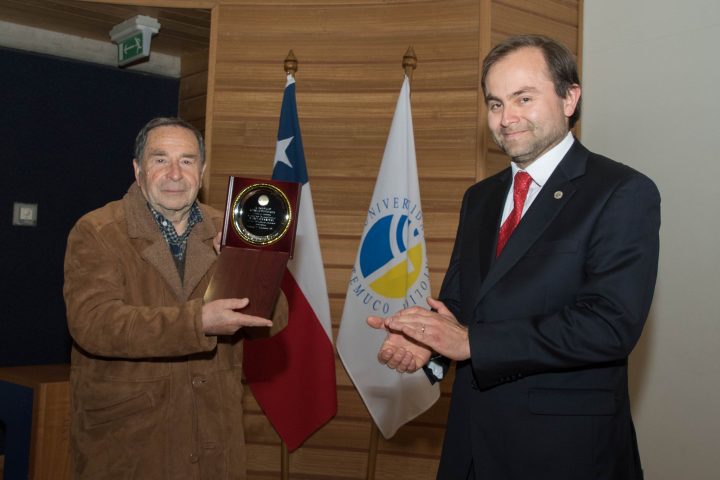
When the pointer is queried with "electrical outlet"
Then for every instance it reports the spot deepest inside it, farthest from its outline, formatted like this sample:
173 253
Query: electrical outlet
25 214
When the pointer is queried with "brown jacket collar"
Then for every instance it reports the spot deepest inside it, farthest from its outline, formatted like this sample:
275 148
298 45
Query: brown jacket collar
200 255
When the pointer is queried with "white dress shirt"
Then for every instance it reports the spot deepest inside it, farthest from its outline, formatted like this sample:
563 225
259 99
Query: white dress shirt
540 170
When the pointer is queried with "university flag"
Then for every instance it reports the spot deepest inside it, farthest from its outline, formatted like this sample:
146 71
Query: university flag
292 374
390 273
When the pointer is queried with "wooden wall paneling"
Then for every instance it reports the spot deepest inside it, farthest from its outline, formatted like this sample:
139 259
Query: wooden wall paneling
496 160
438 225
51 421
558 19
563 11
438 194
514 17
329 76
350 405
210 101
483 135
414 440
392 467
328 87
164 3
258 427
338 463
434 158
345 433
194 84
193 110
252 475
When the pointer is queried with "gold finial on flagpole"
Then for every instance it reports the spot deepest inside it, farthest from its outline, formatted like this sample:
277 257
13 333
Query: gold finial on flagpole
409 62
291 63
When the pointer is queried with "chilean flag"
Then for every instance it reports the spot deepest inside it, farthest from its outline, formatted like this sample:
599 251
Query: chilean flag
292 374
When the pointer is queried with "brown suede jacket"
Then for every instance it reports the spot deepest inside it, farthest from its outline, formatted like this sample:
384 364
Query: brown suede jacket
153 397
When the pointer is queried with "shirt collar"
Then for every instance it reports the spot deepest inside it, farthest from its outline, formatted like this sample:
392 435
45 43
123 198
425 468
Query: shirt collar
541 169
168 229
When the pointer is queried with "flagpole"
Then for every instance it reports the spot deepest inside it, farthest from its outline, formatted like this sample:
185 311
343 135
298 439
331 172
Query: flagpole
409 64
284 461
291 66
372 451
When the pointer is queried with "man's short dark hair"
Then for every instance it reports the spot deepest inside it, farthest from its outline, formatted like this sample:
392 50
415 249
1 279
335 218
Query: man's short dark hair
560 61
141 139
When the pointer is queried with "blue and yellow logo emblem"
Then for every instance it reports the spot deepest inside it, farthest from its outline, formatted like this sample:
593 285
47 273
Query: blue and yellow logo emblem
382 243
391 270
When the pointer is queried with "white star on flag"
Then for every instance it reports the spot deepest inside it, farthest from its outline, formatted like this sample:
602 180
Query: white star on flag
280 154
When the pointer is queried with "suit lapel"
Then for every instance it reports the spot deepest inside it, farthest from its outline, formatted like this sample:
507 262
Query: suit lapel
483 221
553 197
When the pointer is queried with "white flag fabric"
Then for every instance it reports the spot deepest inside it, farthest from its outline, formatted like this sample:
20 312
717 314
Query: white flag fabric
390 273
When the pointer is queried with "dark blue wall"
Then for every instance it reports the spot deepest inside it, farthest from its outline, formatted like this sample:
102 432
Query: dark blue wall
66 135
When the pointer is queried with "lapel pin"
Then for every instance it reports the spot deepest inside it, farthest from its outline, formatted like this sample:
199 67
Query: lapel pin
558 195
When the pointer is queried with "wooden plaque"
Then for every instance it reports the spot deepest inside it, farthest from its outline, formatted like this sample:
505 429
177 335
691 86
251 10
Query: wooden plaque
257 241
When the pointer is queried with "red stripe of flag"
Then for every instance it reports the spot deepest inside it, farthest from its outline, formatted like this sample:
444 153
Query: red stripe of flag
294 383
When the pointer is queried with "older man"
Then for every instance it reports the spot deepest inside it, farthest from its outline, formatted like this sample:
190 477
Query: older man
546 294
156 373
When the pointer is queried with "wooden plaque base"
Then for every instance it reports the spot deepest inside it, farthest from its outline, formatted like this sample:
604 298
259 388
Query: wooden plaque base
248 273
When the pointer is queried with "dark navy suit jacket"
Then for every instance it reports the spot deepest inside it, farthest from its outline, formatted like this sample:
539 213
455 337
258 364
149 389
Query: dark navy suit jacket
551 321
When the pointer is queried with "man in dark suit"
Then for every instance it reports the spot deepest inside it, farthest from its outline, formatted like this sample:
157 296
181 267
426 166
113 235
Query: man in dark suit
541 316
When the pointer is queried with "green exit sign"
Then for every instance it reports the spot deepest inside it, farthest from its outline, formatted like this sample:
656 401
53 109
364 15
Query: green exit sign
131 48
133 38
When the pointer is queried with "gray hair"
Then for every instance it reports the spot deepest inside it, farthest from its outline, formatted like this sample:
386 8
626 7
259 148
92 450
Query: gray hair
141 139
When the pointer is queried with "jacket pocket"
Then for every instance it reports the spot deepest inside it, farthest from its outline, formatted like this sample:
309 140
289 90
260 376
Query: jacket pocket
570 401
120 409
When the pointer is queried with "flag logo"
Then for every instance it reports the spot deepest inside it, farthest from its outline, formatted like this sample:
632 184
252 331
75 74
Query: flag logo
392 255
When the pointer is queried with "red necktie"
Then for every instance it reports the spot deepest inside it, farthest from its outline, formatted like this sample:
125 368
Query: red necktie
520 190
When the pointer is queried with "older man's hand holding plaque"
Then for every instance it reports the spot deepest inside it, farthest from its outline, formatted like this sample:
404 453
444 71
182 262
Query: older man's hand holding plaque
257 241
